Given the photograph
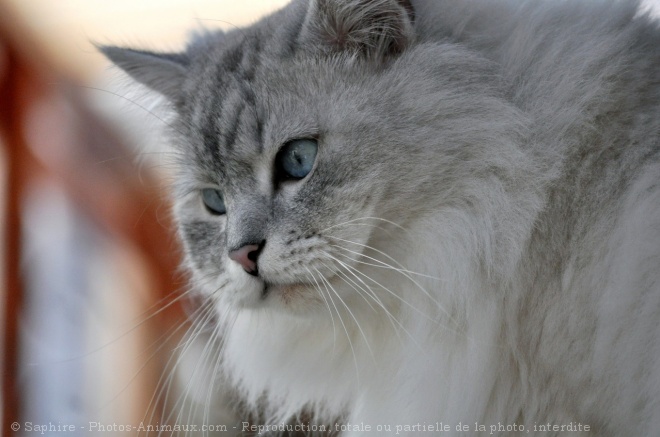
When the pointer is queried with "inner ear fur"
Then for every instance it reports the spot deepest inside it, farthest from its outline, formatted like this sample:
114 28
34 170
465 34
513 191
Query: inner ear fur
376 29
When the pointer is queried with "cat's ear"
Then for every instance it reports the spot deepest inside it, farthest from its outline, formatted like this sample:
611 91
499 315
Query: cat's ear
162 72
373 28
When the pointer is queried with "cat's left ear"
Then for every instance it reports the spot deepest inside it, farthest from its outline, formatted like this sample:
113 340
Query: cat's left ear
375 29
162 72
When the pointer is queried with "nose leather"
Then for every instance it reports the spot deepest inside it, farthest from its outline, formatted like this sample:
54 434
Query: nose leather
247 256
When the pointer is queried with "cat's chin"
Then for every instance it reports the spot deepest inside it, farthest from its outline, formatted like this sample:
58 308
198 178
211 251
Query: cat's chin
246 292
299 298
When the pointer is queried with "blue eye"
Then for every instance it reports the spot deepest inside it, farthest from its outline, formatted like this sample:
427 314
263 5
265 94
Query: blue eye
213 201
296 159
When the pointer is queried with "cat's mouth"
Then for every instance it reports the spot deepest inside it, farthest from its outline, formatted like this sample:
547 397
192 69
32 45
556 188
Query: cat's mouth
286 291
294 294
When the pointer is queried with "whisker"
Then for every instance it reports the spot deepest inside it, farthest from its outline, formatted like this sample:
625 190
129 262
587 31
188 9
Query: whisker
384 265
214 373
351 283
366 340
332 318
417 310
204 314
144 108
132 156
376 299
368 291
348 336
162 384
206 353
162 343
181 399
426 293
365 218
351 223
133 327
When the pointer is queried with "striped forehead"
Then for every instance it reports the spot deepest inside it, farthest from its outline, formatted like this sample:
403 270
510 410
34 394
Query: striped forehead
232 97
229 114
234 120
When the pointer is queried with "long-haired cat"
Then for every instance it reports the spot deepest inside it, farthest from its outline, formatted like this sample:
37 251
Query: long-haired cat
414 216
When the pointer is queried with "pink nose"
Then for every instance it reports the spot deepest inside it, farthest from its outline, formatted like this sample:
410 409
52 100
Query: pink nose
247 256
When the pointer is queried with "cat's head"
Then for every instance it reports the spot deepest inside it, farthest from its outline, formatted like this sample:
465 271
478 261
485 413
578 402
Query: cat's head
308 141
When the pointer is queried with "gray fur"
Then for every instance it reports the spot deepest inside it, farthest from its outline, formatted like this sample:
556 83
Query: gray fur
503 155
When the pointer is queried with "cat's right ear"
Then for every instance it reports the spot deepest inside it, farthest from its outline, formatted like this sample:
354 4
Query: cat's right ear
162 72
375 29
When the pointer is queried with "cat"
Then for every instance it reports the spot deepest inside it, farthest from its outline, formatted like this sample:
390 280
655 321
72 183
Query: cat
414 216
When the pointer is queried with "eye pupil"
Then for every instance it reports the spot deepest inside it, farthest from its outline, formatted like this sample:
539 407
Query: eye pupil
296 159
213 201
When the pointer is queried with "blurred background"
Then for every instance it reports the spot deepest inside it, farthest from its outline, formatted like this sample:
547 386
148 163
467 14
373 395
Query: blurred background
67 28
89 311
91 324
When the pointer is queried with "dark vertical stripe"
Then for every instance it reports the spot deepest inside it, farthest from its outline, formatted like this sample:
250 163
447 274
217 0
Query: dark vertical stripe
248 93
260 134
233 59
232 132
210 138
